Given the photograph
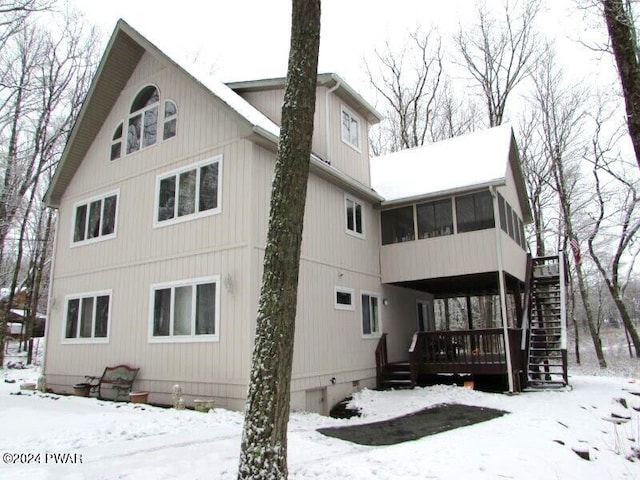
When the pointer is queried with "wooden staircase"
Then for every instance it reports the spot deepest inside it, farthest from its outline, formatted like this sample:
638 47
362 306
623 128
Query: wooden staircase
396 375
546 354
391 375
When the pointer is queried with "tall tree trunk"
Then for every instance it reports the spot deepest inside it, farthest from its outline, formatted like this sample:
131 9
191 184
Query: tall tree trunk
37 279
264 438
622 36
611 278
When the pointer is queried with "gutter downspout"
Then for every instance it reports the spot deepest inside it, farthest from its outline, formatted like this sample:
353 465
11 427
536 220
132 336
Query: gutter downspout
503 299
327 124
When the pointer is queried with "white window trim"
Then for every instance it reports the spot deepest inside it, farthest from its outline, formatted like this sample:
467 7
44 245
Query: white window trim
346 223
80 296
196 214
357 148
378 295
168 119
141 112
87 202
121 140
341 306
185 338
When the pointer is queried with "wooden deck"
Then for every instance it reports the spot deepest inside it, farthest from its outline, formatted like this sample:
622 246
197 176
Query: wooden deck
475 352
464 351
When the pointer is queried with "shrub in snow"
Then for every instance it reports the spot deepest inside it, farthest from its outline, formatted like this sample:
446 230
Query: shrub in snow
176 394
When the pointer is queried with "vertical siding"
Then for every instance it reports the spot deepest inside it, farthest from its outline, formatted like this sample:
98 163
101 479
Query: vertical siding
328 342
141 255
450 255
341 155
269 102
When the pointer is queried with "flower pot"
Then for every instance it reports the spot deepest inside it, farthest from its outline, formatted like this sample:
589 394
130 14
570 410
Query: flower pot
138 397
203 405
81 389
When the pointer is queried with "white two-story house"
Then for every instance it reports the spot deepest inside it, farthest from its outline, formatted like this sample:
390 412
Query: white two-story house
163 197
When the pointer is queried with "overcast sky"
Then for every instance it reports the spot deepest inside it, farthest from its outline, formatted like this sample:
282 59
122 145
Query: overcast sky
249 39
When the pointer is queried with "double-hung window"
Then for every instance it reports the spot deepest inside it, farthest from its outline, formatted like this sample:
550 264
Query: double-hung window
354 220
187 310
370 314
87 316
190 192
95 219
350 129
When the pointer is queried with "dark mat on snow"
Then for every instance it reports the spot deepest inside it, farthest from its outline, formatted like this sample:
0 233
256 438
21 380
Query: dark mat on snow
414 426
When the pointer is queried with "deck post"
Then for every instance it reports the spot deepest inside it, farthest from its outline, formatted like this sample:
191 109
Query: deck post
469 313
501 285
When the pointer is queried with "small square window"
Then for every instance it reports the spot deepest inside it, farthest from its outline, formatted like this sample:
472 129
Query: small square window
344 299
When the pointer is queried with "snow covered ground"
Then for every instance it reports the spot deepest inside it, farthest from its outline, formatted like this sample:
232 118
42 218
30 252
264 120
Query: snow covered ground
121 441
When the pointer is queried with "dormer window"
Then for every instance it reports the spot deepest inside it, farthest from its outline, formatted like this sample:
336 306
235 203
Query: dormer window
116 143
170 117
143 121
350 129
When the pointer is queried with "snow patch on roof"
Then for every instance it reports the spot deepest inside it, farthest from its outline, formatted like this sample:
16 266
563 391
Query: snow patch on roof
477 158
231 98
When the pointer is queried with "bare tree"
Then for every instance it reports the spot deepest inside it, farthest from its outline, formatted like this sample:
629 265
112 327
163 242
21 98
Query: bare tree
622 34
409 82
418 97
14 14
537 169
49 72
562 120
616 222
264 438
499 53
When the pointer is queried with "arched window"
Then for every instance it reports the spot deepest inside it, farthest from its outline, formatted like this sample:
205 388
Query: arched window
170 118
143 121
116 143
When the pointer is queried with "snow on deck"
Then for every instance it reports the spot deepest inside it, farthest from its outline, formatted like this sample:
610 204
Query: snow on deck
474 159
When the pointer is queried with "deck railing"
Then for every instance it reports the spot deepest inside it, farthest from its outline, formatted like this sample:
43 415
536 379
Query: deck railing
463 351
382 358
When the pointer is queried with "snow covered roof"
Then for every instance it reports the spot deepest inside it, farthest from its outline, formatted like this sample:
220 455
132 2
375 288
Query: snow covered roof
122 55
463 162
231 98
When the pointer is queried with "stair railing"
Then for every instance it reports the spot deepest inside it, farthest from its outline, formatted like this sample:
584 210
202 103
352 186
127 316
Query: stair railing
415 354
526 304
563 301
564 280
382 359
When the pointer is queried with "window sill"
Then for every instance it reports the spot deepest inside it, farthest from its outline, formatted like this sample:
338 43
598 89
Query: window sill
91 241
361 236
186 218
351 146
185 339
348 308
371 336
85 341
